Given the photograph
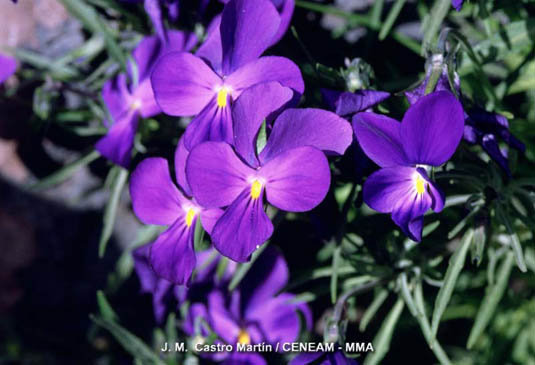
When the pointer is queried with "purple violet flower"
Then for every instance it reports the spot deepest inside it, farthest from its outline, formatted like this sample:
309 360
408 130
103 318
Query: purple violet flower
457 4
323 358
153 8
347 103
427 136
127 103
255 313
186 85
291 170
483 127
286 10
8 66
156 200
203 280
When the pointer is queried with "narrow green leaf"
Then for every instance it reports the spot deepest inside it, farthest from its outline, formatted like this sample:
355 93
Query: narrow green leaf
110 211
426 328
459 226
95 24
261 138
432 23
391 18
334 276
381 342
65 172
171 337
515 241
106 311
378 300
406 294
478 245
455 266
492 297
244 268
131 343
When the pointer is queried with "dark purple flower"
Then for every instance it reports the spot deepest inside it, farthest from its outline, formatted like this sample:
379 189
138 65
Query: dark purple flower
203 280
186 85
285 9
427 136
292 171
254 313
126 103
483 127
8 66
346 103
322 358
457 4
156 200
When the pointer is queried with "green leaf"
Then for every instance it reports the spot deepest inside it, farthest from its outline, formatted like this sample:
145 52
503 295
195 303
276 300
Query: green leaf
406 294
244 268
434 19
131 343
372 309
106 311
65 172
478 245
334 276
455 266
492 297
381 342
110 211
42 101
261 139
426 328
391 18
95 24
513 37
515 241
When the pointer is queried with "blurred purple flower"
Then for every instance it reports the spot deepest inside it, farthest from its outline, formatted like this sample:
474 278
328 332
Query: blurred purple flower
156 200
127 103
186 85
286 10
457 4
255 313
483 128
323 358
204 280
8 66
153 8
291 170
427 136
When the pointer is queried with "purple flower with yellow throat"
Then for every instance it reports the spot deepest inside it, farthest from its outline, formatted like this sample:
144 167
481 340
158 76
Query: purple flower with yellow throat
427 136
228 63
291 171
255 313
127 102
8 66
156 200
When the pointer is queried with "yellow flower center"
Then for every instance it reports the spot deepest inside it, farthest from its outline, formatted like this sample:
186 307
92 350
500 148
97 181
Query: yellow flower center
256 189
243 337
136 105
222 97
190 215
420 184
